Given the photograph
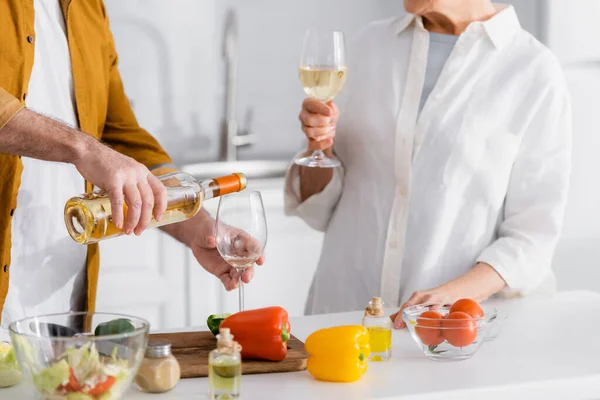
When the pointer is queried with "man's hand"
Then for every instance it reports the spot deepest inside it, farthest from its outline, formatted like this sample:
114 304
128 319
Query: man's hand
127 182
481 282
198 234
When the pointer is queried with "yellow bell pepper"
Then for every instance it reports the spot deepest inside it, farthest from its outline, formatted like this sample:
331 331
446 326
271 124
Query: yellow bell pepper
338 354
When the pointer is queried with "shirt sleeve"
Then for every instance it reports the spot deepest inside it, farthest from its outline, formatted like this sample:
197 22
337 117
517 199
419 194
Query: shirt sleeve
317 210
121 130
536 199
9 106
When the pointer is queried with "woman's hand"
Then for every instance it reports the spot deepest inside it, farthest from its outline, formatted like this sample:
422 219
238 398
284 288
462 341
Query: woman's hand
319 123
481 282
439 295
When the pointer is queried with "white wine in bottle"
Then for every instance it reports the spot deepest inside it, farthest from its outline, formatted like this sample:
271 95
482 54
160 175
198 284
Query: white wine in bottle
88 217
323 83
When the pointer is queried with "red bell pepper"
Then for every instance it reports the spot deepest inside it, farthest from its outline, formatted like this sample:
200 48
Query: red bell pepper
262 333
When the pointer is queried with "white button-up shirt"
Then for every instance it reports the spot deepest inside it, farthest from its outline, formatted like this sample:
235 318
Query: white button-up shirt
480 175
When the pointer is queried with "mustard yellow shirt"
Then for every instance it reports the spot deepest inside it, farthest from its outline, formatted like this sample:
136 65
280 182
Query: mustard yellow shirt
103 109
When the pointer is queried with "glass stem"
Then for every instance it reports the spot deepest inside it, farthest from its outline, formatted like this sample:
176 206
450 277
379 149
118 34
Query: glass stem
318 154
241 288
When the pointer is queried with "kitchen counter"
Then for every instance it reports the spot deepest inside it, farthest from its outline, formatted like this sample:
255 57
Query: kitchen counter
548 349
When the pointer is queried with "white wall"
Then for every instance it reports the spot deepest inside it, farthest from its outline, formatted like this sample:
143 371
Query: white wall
168 63
573 36
577 259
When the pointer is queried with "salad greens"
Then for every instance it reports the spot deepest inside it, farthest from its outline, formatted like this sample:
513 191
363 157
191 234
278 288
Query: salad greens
10 374
82 374
79 396
52 377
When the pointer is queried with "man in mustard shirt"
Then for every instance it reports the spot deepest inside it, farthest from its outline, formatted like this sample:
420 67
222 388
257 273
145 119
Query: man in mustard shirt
66 125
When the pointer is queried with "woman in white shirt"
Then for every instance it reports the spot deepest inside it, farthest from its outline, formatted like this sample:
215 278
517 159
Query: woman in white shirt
455 143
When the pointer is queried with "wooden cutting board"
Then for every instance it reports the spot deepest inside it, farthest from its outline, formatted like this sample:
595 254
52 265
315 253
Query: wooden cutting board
192 348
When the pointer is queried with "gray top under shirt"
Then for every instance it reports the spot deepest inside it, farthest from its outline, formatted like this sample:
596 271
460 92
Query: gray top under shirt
440 47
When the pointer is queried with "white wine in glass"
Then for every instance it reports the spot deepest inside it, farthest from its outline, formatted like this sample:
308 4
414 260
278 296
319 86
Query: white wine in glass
241 232
323 73
323 83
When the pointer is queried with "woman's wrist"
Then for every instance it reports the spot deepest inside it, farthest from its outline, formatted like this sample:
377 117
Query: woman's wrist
479 283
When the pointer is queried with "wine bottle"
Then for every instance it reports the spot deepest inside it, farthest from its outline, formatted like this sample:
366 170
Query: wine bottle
88 217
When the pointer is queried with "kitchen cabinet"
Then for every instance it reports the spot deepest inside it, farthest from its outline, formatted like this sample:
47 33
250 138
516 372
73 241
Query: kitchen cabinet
144 276
155 277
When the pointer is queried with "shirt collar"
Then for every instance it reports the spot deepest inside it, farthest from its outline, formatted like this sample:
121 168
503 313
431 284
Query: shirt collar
499 29
502 27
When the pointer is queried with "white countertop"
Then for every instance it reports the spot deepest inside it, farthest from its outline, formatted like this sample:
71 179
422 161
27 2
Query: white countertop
548 349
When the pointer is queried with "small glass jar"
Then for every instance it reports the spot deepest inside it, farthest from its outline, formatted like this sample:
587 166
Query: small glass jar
225 368
159 371
380 330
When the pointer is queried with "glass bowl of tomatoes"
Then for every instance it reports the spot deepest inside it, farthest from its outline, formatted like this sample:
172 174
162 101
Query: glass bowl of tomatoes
450 332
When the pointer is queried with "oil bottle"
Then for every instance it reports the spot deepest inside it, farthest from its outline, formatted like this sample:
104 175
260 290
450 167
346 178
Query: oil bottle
225 367
380 330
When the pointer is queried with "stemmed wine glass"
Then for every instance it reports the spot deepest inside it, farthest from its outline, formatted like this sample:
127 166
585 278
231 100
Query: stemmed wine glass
323 73
241 232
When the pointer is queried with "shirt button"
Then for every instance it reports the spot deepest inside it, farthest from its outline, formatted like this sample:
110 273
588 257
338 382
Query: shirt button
403 192
6 268
30 38
394 244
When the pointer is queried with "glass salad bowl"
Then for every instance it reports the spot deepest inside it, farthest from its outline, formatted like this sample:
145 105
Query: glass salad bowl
79 356
443 339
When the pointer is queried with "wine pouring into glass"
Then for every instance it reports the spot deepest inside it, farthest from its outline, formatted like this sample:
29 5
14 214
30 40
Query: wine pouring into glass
241 232
323 74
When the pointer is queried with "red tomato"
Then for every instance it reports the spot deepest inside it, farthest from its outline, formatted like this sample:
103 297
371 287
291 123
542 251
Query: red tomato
72 385
428 329
467 306
460 329
102 387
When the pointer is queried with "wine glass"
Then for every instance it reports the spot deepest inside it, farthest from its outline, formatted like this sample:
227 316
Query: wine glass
323 73
241 232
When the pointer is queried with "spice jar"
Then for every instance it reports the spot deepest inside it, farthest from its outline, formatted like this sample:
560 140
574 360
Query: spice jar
160 370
